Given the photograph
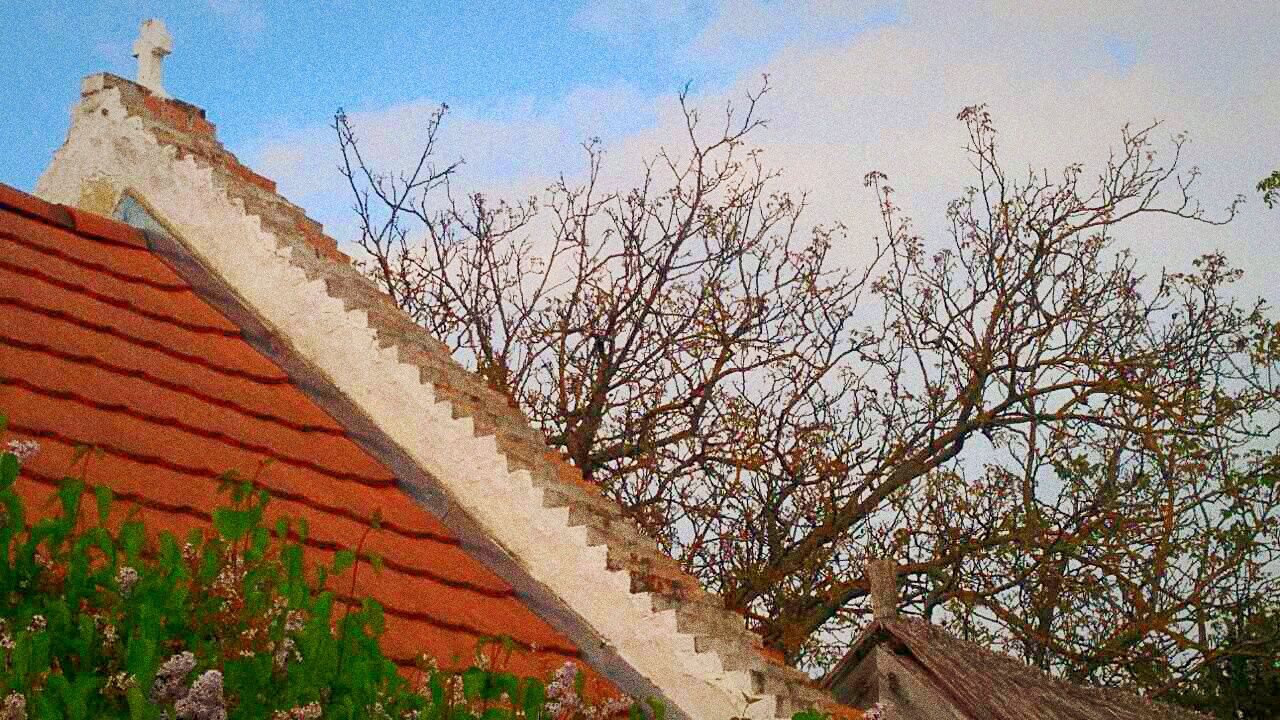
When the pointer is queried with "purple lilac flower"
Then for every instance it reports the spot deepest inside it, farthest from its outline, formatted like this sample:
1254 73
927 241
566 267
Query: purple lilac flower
561 691
204 700
169 685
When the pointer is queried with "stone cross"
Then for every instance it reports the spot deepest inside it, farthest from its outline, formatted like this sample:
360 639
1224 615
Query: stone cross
152 45
882 575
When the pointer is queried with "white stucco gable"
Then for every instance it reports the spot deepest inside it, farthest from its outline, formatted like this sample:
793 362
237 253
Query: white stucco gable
112 151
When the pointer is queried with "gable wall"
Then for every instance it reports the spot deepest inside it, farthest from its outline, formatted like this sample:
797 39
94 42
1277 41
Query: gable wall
108 148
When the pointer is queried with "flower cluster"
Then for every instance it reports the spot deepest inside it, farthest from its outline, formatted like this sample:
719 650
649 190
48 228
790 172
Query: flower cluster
564 701
126 578
119 684
294 621
310 711
14 707
286 651
169 686
24 450
562 693
204 700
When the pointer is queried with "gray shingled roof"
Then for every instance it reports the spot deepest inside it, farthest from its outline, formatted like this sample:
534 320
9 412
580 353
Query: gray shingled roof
993 686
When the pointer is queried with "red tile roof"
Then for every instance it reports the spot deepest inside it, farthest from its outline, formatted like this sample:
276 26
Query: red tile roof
103 343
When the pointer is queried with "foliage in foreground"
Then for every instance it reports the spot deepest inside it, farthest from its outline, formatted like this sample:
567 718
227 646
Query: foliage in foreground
104 622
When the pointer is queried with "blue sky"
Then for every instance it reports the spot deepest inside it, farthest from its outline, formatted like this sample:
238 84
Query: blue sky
256 66
858 85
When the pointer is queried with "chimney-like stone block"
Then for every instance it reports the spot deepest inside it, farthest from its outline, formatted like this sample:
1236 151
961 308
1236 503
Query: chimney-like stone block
882 576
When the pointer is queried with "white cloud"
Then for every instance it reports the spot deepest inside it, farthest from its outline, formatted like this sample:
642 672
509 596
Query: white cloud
741 24
511 149
886 99
245 16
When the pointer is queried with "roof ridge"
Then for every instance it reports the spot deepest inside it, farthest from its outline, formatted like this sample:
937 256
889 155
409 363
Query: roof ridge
530 500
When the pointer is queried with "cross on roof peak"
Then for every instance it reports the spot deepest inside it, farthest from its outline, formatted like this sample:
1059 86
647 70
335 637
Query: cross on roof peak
152 45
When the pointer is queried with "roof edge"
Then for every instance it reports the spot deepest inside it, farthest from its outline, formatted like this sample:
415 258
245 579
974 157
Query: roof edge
424 489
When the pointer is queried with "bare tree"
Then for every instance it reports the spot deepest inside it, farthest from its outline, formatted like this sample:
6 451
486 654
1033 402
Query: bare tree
632 328
1066 457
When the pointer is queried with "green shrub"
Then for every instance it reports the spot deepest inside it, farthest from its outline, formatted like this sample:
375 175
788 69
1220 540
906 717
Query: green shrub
98 621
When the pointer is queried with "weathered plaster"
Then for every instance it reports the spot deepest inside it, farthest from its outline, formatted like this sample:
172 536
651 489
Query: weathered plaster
97 195
106 145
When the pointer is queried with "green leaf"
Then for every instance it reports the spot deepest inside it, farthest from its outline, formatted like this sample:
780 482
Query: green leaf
103 495
84 642
133 536
502 682
342 561
232 524
75 697
473 682
69 494
1270 188
535 696
437 689
261 539
495 713
8 470
139 707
